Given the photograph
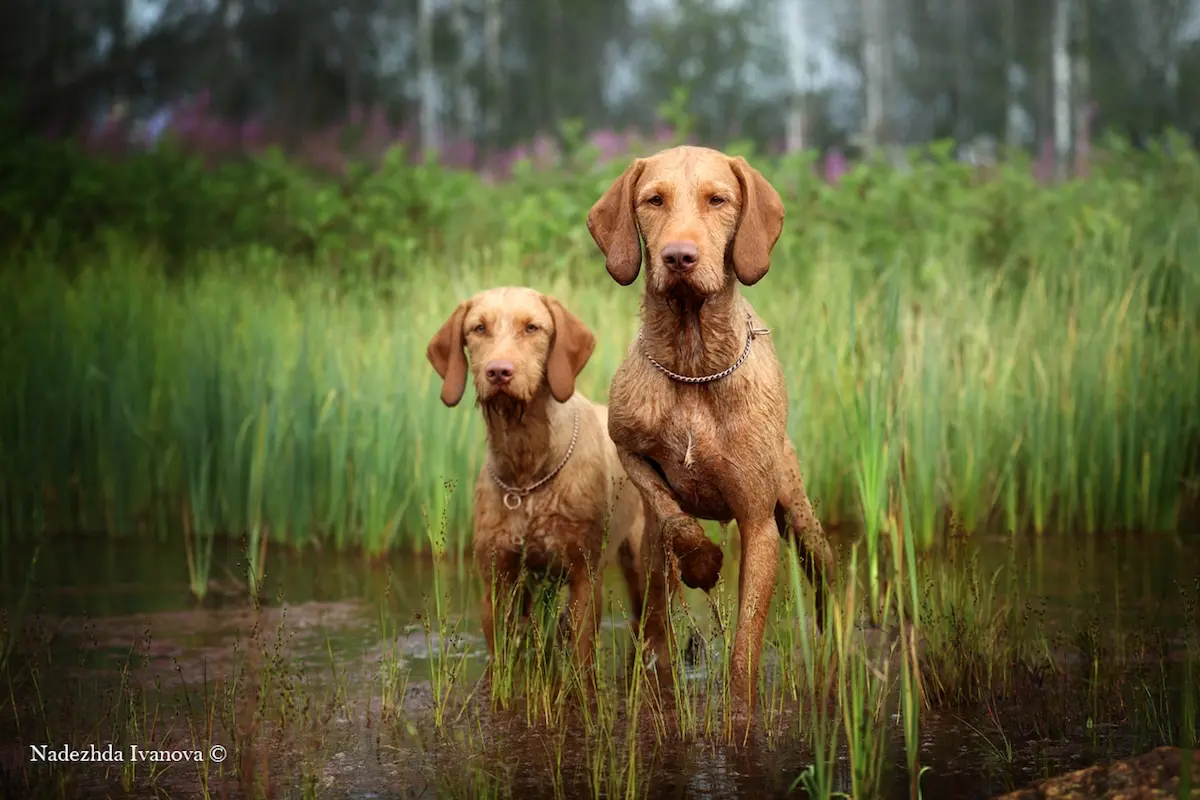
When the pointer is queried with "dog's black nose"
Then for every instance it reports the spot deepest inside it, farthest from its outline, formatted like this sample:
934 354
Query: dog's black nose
680 256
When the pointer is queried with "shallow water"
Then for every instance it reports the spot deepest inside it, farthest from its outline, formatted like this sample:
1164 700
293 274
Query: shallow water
1134 574
331 621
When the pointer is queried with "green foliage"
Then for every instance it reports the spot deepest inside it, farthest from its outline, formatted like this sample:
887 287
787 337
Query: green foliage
239 348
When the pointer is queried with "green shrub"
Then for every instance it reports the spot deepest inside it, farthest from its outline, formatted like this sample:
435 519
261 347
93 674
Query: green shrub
206 350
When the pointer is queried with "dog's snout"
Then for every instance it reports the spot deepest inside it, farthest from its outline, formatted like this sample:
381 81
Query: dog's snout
680 256
499 372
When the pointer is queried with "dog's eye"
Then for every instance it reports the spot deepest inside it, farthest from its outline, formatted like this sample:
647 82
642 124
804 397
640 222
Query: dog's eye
716 200
479 328
532 328
656 200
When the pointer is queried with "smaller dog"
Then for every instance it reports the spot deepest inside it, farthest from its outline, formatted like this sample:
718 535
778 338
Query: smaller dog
552 497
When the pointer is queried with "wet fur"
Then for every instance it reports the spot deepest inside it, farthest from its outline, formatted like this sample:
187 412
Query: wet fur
588 515
717 450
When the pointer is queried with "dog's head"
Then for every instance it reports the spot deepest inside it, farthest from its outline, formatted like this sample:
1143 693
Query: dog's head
517 340
702 214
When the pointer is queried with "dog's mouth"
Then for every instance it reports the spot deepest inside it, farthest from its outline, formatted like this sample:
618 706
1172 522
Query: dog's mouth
501 403
687 293
695 284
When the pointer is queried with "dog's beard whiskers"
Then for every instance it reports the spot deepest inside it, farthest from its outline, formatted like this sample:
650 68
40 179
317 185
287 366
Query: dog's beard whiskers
682 328
684 296
501 407
684 303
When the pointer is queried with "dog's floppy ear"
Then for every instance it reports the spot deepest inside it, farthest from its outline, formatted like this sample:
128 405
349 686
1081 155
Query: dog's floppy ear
760 224
613 226
569 351
445 353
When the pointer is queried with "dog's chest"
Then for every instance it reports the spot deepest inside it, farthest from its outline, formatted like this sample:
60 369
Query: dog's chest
690 447
547 530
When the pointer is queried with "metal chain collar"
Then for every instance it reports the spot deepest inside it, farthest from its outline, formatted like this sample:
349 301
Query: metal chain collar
513 495
751 334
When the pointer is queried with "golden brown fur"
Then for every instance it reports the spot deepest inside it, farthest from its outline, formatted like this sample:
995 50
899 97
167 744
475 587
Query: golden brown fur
559 529
717 450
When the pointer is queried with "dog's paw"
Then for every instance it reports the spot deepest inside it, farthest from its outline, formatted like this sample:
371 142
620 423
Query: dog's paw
700 558
700 568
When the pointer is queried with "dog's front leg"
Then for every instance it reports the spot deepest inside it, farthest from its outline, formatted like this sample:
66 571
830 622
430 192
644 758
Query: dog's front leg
673 541
681 536
756 586
585 598
500 574
795 512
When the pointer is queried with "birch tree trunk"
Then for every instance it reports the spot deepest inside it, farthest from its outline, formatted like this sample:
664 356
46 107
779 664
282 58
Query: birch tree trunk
1011 73
355 32
464 111
1082 80
227 66
797 33
426 77
1061 69
494 81
299 114
962 74
551 117
874 33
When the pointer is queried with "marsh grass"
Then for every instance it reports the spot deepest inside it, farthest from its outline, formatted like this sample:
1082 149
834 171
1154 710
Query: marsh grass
393 675
867 417
1046 385
819 674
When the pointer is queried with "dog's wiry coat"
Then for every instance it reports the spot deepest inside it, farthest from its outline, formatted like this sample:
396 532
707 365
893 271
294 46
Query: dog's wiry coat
584 518
716 450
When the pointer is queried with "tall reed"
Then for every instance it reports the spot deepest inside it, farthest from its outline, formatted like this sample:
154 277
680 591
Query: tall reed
1036 373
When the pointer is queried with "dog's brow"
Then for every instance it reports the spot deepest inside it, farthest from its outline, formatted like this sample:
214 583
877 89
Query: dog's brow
715 187
519 317
658 186
484 315
693 169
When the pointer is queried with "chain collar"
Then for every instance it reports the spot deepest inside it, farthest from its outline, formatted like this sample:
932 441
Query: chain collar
751 334
513 495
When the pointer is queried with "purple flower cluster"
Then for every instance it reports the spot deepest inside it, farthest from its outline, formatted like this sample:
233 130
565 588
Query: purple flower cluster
367 135
189 122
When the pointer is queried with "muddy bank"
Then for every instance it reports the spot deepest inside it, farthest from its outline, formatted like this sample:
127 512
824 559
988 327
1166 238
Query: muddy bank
1157 775
345 685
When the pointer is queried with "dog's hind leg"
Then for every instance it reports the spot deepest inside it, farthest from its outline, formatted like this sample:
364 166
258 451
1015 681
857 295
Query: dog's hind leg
633 584
586 595
796 520
503 594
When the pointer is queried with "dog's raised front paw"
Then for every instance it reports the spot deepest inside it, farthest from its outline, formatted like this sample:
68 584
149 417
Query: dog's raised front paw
700 558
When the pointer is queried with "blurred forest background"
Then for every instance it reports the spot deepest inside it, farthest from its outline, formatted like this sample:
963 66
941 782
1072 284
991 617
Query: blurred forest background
224 245
478 78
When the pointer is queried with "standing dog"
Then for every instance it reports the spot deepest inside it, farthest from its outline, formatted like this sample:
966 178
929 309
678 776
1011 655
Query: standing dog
552 498
698 409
